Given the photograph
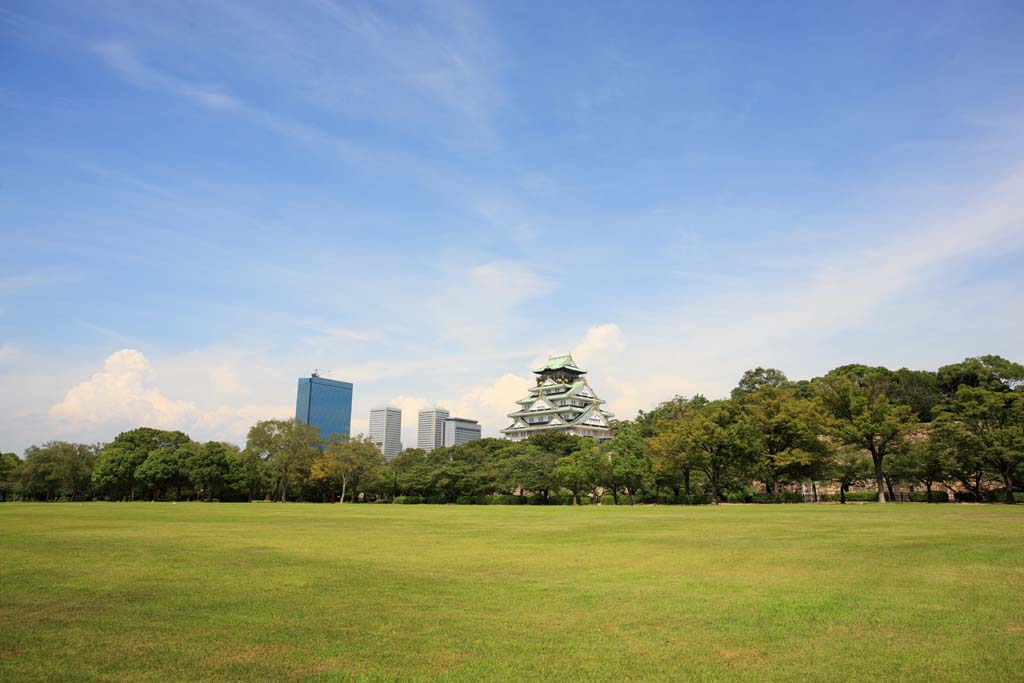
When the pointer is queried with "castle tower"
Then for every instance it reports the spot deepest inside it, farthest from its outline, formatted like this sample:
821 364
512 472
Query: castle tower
561 400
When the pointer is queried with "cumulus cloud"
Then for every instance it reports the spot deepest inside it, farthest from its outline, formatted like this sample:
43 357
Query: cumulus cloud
600 343
125 395
122 392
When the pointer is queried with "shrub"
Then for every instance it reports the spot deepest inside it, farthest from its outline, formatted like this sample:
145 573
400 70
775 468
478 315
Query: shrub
862 496
607 499
922 496
408 500
508 499
965 497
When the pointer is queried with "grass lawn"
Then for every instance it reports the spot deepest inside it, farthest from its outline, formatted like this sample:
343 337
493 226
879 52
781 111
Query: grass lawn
263 592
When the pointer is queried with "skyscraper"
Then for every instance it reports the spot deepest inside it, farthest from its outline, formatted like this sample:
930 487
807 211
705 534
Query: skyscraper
386 430
325 403
430 434
459 430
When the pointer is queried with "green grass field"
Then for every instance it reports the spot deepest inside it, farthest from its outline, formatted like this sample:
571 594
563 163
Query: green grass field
221 592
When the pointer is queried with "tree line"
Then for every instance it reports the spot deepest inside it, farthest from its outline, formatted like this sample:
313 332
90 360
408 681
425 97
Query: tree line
960 428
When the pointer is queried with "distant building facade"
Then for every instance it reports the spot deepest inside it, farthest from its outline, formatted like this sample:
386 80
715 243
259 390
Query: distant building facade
386 430
459 430
430 430
563 401
325 403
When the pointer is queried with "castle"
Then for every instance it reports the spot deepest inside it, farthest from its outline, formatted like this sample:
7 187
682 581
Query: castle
562 400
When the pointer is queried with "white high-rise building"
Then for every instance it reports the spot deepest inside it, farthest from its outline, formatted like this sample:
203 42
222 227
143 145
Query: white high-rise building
430 434
386 430
459 430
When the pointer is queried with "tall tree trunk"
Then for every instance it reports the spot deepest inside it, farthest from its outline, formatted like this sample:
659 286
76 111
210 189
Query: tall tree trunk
1008 480
814 491
775 488
842 493
928 492
343 484
879 478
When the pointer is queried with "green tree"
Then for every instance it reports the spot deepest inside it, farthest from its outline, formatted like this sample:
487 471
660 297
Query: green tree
988 372
115 472
918 389
57 469
288 447
787 430
9 463
578 471
851 466
163 470
927 461
208 468
759 378
672 460
721 442
629 463
991 425
857 399
349 462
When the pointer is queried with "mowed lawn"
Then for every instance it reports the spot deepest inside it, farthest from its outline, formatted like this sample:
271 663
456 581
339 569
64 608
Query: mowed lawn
263 592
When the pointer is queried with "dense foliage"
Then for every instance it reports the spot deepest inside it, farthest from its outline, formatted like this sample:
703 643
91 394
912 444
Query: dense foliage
959 429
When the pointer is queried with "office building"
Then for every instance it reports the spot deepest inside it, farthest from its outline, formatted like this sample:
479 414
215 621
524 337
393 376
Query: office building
386 430
430 432
459 430
325 403
562 401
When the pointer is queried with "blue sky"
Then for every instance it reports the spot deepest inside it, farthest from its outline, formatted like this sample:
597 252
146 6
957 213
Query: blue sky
201 202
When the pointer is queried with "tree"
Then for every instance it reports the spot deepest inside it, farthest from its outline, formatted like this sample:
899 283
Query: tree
208 467
348 462
788 431
851 466
628 464
57 469
990 424
288 447
164 469
989 372
758 378
115 471
533 468
672 461
918 389
857 399
9 463
578 471
928 460
720 441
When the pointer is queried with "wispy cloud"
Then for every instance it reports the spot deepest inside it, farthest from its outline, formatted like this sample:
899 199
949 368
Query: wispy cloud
16 283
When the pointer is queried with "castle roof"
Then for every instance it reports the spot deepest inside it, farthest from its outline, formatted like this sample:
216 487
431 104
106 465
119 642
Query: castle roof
561 363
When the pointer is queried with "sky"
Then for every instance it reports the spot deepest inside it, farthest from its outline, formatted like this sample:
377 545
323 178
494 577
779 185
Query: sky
201 202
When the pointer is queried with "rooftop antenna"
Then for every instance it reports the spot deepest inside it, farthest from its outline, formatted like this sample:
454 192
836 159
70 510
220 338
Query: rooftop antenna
318 371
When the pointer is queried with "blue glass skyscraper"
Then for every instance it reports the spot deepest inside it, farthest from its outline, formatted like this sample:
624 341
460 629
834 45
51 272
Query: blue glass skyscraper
325 403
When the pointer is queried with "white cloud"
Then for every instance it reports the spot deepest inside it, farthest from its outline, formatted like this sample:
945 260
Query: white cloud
125 395
601 343
121 393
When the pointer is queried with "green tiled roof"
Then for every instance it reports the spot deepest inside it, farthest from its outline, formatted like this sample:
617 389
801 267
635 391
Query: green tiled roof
559 363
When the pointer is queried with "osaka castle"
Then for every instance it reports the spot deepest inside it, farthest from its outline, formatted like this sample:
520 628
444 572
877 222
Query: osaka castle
561 401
